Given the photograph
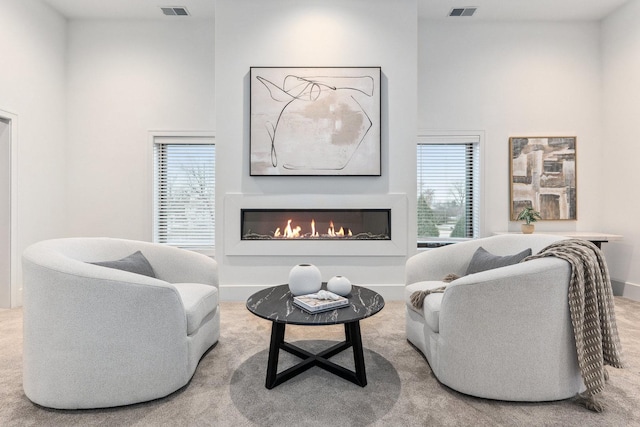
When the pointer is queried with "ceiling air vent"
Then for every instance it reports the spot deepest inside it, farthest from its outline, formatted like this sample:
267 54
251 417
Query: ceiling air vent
175 11
463 11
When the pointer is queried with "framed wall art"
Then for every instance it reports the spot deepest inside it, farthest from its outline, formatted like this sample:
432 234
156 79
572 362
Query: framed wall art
315 121
543 176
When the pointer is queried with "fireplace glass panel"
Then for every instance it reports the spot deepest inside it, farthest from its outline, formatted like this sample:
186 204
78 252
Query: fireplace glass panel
316 224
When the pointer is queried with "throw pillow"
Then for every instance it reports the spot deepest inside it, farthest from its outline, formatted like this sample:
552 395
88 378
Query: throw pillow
483 260
134 263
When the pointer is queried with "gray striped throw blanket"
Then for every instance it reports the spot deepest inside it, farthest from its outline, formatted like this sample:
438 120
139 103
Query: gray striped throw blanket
592 313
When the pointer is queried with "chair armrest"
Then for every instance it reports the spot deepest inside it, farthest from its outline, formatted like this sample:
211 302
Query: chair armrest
176 265
105 296
512 304
435 264
513 319
170 264
71 321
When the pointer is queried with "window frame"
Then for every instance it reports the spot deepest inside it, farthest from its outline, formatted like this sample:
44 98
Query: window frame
455 137
177 137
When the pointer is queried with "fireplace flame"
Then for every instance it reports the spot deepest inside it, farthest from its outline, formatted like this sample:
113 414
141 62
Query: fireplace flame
340 233
291 232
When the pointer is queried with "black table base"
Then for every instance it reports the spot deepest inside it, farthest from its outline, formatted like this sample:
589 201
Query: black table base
352 339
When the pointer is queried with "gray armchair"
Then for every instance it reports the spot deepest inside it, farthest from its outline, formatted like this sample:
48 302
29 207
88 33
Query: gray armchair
501 334
99 337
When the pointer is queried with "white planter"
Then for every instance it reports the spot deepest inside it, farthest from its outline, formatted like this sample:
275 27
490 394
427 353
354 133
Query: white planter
304 279
339 285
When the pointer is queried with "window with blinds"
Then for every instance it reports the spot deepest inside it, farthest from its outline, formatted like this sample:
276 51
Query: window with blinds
184 192
448 187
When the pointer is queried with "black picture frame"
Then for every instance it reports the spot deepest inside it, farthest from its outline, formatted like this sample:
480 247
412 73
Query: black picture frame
310 121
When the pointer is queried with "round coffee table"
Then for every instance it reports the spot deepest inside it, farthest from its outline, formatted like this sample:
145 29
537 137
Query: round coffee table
276 304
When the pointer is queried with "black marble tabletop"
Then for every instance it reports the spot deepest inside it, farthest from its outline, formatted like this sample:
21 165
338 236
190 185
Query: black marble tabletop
276 304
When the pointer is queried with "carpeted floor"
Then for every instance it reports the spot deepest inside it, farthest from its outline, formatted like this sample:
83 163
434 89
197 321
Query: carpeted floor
228 386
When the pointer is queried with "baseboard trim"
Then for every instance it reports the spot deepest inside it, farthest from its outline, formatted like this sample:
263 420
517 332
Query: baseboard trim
390 292
626 289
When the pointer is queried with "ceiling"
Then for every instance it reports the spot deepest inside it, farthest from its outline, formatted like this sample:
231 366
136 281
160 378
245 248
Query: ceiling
495 10
129 9
522 10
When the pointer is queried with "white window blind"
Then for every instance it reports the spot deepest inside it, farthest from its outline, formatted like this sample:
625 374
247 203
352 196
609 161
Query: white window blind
184 193
448 187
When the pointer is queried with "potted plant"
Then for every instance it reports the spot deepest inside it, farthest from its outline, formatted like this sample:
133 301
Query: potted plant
528 215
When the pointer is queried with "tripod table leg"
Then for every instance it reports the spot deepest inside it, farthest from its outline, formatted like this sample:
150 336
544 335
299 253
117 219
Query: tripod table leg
277 338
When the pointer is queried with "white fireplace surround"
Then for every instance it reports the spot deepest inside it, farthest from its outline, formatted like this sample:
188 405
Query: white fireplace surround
235 246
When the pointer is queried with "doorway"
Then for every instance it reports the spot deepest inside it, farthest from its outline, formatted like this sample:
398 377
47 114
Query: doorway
5 213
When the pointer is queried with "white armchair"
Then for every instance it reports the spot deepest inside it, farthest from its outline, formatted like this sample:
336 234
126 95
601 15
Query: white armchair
501 334
99 337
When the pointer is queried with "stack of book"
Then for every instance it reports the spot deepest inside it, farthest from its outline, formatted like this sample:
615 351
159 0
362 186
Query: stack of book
312 304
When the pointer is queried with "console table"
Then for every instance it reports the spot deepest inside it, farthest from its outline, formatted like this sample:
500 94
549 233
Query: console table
594 237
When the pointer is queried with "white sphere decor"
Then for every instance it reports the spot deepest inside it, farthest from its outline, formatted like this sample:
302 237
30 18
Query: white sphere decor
339 285
304 279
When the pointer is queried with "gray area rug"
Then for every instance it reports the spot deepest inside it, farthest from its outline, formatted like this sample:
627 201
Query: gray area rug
315 393
228 386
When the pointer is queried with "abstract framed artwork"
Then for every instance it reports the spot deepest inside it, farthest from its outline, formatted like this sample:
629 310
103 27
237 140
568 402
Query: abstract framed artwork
315 121
543 176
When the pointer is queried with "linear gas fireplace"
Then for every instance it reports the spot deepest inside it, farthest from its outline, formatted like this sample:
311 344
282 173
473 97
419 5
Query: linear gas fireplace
315 224
303 225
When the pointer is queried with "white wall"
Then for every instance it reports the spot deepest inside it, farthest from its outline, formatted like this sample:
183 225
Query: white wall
516 79
314 33
621 147
32 87
127 78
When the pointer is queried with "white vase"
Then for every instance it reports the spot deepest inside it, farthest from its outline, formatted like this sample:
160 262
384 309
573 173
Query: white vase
527 228
304 279
339 285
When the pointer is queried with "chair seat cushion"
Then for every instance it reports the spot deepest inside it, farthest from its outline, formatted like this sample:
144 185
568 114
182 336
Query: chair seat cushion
431 307
199 300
